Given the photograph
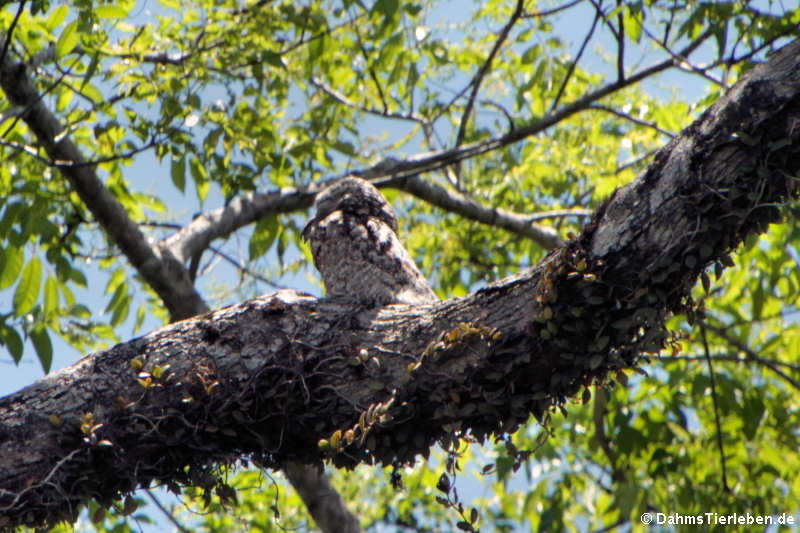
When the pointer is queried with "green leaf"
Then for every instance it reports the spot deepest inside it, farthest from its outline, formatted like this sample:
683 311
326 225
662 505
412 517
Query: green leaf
633 25
50 296
115 280
27 291
141 314
110 12
13 342
57 17
271 58
68 40
263 236
200 175
80 311
90 71
388 8
120 302
758 300
121 311
11 261
120 292
44 347
77 277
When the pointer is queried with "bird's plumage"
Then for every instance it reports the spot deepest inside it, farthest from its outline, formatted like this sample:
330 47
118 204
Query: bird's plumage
355 247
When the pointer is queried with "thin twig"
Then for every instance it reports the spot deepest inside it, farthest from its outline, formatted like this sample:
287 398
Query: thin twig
750 354
630 163
19 148
731 359
503 110
547 12
683 63
574 63
633 119
620 45
243 269
716 408
342 99
166 512
560 213
478 78
598 6
61 462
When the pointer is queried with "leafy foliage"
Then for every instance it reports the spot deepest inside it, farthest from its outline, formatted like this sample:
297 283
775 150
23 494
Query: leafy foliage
227 98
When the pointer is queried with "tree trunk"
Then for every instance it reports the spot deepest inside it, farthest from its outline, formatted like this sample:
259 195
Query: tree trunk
287 377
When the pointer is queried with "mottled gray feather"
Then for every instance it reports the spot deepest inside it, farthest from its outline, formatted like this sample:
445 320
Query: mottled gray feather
355 247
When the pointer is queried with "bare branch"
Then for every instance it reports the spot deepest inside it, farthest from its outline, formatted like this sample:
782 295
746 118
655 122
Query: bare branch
244 270
33 101
598 6
717 422
749 353
342 99
683 63
574 63
166 512
620 45
455 202
27 149
560 213
632 162
167 275
546 12
478 78
198 234
733 358
631 118
503 110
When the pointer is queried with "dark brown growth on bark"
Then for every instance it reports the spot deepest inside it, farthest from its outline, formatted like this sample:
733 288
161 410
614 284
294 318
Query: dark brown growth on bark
287 377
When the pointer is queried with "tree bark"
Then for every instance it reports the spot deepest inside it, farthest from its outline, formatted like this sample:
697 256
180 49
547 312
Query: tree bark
287 377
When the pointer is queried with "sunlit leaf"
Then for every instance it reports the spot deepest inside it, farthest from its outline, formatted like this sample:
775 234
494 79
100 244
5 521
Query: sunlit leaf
68 39
263 237
11 261
27 291
12 341
50 296
44 347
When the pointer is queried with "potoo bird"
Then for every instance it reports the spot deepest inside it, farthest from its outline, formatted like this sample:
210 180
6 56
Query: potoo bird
355 247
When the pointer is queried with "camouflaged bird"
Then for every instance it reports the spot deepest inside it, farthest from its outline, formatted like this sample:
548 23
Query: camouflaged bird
355 247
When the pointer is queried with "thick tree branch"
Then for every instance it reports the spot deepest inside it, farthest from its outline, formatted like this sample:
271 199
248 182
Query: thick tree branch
197 235
454 202
288 377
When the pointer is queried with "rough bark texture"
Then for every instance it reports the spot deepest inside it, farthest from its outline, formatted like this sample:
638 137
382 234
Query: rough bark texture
290 378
